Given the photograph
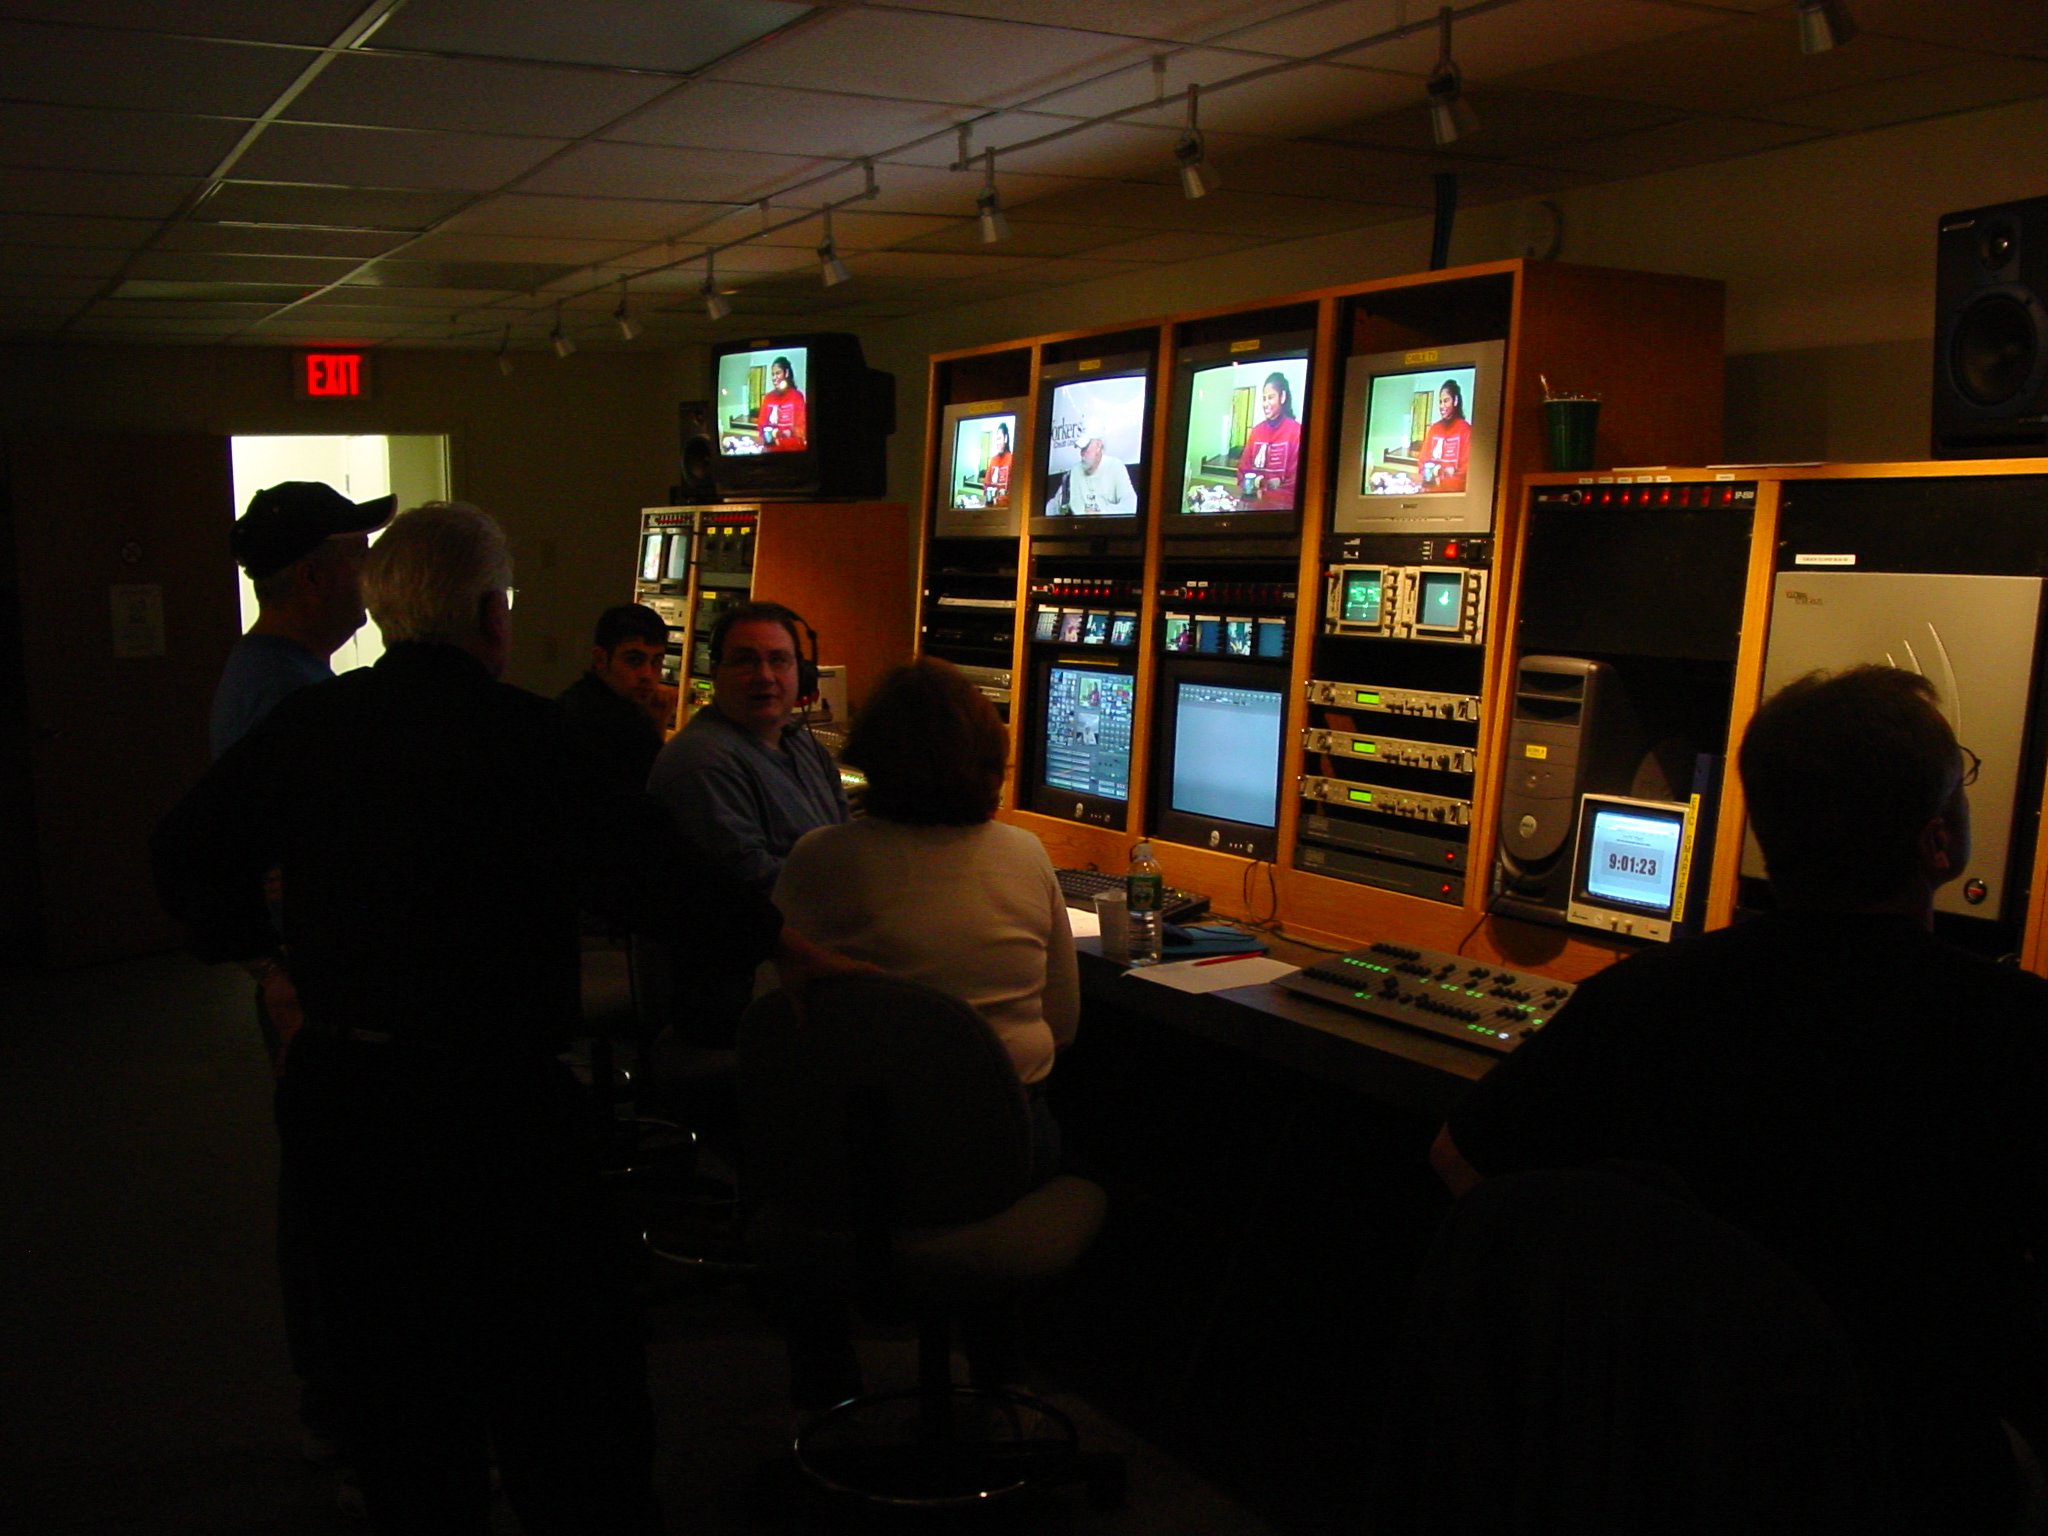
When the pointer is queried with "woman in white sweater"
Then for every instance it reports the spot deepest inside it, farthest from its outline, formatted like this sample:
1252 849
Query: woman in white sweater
927 885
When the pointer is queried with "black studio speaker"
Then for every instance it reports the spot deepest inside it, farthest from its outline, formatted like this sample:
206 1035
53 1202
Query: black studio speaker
1991 332
696 484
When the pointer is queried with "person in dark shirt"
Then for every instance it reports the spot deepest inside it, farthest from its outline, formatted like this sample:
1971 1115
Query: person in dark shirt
614 703
438 831
1867 1101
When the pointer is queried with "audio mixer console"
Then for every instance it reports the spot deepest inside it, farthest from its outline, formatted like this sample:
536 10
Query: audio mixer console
1487 1007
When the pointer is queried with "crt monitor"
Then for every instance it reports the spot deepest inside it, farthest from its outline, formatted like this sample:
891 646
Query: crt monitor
981 470
1420 441
1218 775
799 415
1083 726
1630 866
1237 438
1090 445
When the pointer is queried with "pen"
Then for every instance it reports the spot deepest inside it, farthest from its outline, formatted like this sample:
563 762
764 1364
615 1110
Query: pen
1249 954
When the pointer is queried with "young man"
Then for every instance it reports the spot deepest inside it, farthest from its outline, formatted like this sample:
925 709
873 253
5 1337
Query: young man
1867 1101
302 544
614 705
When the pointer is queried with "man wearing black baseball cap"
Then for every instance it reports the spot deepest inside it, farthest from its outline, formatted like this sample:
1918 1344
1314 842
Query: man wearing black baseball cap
302 544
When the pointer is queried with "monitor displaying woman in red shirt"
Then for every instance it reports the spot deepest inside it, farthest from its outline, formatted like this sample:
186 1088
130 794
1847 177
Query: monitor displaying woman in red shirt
1272 449
1447 447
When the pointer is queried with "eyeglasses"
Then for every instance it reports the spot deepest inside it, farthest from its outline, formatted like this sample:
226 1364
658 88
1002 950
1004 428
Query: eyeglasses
1972 763
775 661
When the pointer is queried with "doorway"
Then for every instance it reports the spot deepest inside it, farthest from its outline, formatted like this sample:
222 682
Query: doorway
414 468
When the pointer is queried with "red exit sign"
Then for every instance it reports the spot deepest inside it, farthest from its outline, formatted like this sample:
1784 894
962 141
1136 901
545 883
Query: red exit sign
331 376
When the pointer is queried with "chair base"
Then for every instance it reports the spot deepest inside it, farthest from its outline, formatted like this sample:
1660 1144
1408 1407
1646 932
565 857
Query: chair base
955 1448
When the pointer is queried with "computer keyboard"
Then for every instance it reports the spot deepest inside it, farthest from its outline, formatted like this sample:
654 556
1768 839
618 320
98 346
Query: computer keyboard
1081 886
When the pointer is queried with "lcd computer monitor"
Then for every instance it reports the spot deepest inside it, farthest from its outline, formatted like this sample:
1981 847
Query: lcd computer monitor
800 415
1420 440
1082 722
1629 866
981 470
1237 438
1219 768
1090 447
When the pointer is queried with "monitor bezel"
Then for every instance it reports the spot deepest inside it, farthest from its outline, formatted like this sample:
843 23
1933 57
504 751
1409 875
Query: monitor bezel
955 522
1220 834
1586 909
1074 804
1175 521
1050 377
1467 511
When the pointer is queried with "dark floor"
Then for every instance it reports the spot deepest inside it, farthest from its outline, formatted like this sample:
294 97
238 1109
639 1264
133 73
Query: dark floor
145 1384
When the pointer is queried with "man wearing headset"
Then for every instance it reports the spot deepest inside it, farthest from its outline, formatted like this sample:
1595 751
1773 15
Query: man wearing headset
744 779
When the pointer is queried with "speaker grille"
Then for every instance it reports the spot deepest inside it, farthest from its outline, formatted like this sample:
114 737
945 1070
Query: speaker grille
1995 350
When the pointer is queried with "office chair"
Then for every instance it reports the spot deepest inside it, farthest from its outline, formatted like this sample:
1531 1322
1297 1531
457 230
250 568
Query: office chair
1589 1351
887 1151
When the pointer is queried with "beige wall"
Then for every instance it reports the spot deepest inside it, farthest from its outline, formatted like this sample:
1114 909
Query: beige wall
565 452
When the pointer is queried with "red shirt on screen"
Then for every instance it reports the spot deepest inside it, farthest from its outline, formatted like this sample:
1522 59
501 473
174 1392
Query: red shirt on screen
1272 452
783 426
1448 445
995 480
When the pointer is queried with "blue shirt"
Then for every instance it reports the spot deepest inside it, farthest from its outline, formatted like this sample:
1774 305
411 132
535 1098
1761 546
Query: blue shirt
261 671
742 802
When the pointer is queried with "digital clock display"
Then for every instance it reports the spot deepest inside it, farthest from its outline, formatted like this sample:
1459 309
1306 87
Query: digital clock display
1632 858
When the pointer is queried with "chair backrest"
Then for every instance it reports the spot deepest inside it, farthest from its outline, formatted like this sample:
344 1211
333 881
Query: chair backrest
885 1069
1589 1351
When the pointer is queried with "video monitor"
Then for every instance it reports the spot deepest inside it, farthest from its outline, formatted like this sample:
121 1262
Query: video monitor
1095 628
1180 632
1630 866
799 415
1071 620
1439 602
676 566
1237 636
1123 629
1090 448
1360 600
1236 442
1208 634
1272 638
1082 722
650 556
1420 440
1046 626
1219 770
981 458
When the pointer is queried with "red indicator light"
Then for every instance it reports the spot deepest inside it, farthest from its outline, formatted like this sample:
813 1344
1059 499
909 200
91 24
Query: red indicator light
332 375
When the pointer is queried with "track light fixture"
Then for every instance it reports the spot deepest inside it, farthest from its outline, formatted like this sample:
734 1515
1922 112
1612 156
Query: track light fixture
989 207
562 344
505 352
716 304
831 270
1197 177
629 328
1824 24
1450 115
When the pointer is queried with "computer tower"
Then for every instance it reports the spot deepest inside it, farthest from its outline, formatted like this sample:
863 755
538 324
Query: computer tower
1571 731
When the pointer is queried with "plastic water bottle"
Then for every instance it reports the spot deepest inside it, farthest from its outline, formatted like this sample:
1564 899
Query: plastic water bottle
1144 883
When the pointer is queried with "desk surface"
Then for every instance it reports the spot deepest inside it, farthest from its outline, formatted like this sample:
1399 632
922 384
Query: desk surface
1333 1045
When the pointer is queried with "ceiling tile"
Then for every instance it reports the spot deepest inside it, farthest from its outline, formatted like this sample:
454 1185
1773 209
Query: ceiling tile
129 308
408 298
1513 122
313 23
95 233
86 67
1694 142
92 192
206 267
261 240
446 246
1757 62
681 175
390 157
891 53
677 36
91 139
1982 83
234 292
21 285
46 263
387 90
404 273
2002 28
833 124
356 208
1175 246
1027 238
581 217
1180 21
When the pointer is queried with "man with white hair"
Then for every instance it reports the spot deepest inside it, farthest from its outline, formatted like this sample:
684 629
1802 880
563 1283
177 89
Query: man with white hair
438 830
1098 486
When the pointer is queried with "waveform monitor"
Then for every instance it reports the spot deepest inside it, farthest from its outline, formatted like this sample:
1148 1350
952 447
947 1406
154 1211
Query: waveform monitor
1083 726
1631 866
